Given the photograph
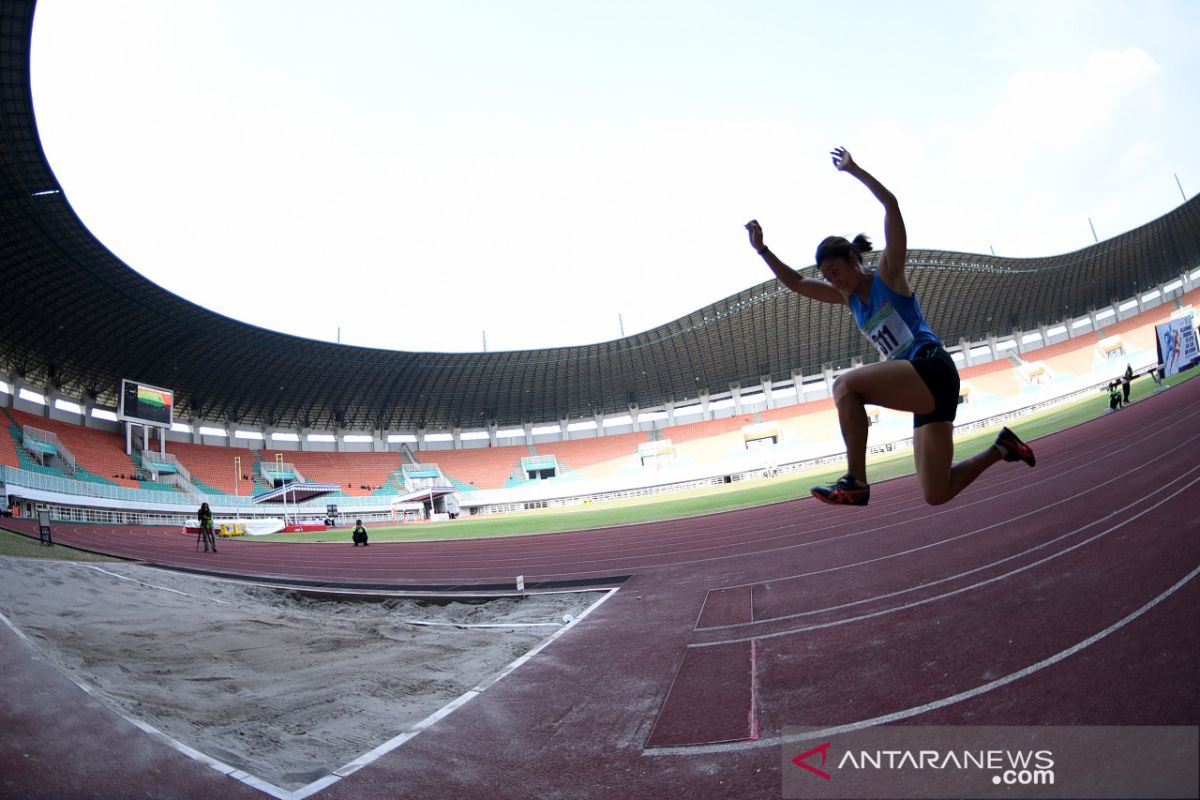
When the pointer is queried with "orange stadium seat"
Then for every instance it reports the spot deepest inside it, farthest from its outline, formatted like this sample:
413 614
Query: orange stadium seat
481 467
358 474
100 453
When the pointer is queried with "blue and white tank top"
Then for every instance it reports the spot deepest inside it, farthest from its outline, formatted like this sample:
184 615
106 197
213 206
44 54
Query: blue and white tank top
894 323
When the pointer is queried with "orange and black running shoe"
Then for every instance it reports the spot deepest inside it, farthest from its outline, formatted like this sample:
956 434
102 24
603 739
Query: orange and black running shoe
1013 448
846 492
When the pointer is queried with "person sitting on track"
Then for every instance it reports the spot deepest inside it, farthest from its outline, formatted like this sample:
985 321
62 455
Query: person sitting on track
359 534
1114 396
916 373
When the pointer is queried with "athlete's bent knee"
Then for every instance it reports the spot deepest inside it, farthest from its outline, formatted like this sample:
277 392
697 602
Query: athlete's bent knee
842 390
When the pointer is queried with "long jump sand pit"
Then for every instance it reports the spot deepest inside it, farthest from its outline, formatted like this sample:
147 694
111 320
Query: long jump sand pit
273 682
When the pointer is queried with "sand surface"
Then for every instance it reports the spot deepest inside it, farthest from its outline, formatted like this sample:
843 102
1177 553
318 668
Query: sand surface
285 687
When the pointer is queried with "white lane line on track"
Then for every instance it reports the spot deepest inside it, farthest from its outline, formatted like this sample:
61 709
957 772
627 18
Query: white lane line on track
934 705
961 590
1117 478
1134 443
939 581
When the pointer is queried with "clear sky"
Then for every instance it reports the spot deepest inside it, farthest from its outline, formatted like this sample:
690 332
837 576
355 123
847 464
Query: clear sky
416 173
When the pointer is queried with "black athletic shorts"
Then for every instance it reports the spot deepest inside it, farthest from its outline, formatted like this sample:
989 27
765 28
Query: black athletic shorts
936 368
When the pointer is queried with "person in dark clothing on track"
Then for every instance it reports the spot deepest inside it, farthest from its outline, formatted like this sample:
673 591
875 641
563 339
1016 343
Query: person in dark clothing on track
206 527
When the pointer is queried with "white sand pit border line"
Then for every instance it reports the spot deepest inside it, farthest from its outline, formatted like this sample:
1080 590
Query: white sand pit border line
373 755
429 623
346 769
147 728
407 594
154 585
478 625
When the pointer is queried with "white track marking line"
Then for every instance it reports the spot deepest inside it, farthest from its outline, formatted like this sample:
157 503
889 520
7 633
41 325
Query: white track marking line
929 584
949 700
961 590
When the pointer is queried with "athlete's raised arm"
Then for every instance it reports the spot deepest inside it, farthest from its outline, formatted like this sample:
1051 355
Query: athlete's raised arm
809 287
895 250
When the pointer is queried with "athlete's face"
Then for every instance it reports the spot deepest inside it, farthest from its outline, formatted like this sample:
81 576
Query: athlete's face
841 273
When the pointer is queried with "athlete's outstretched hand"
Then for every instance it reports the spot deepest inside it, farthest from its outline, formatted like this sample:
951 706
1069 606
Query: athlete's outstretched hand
842 158
756 235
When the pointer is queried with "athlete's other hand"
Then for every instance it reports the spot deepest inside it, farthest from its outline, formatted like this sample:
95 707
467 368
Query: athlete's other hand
756 235
842 158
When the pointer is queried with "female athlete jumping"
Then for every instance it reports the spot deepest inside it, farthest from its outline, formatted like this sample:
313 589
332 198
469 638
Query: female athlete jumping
916 373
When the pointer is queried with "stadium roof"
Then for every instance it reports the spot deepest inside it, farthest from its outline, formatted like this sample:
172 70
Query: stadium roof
78 320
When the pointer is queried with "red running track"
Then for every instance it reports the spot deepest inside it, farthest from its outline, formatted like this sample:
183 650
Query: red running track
1066 594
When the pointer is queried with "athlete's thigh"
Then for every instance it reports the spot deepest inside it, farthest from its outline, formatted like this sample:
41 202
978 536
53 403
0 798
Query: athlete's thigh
891 384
